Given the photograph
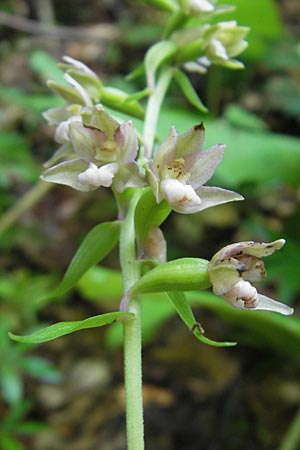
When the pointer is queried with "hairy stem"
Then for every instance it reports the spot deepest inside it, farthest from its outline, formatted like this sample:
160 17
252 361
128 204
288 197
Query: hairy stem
132 333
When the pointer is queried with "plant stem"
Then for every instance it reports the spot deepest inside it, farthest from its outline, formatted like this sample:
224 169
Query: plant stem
153 108
24 204
132 333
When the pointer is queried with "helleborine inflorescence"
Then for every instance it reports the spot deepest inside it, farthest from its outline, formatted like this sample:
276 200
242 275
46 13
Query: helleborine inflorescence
235 267
219 44
180 168
105 153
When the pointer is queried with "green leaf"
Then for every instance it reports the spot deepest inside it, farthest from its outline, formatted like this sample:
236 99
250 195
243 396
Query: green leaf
239 117
184 310
63 328
96 245
188 90
156 56
31 427
149 214
263 32
9 443
45 66
100 283
35 103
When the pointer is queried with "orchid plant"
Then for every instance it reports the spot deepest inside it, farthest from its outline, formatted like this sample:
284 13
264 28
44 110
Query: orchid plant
98 150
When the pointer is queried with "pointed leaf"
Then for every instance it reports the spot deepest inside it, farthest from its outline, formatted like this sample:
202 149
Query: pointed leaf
189 91
63 328
184 310
156 56
96 245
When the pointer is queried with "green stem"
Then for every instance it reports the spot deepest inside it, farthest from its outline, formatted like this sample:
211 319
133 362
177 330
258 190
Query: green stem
24 204
153 109
132 333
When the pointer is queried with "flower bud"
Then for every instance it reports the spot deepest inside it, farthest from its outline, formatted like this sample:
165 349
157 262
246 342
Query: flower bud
210 44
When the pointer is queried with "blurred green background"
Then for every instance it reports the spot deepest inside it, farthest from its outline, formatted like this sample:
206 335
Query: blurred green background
68 394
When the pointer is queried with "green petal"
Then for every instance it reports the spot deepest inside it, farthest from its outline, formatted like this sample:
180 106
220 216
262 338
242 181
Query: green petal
191 142
66 173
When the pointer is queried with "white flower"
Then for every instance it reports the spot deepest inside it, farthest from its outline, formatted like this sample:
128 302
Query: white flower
105 153
180 168
235 267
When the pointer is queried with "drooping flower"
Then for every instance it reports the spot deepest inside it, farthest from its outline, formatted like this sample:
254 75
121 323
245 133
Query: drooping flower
105 153
180 168
235 267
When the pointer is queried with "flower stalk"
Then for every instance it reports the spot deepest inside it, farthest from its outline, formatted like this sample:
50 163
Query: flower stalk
153 108
132 333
